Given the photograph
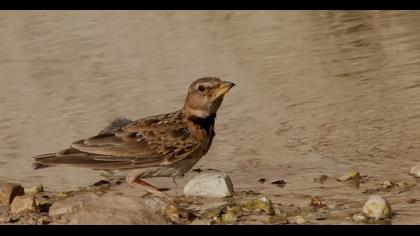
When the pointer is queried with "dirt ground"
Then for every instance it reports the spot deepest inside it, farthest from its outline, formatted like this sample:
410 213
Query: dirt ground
318 93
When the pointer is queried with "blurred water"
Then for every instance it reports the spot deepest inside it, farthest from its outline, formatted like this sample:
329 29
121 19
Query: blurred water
319 92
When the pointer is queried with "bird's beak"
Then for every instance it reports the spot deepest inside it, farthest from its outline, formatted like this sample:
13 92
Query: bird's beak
224 88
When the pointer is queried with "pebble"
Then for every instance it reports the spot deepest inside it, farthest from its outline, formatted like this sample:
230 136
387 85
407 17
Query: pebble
415 170
8 191
213 185
359 218
300 220
229 218
352 175
377 207
387 184
23 203
261 204
201 222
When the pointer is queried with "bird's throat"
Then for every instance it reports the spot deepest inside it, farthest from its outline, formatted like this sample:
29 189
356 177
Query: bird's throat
206 123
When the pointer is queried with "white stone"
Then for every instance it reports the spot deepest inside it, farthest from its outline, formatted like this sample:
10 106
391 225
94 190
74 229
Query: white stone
209 185
377 207
415 170
359 218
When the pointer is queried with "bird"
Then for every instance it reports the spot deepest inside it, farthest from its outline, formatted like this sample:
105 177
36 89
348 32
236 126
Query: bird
165 145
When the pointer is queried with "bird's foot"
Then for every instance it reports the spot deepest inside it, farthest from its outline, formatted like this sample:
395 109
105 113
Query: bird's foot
150 189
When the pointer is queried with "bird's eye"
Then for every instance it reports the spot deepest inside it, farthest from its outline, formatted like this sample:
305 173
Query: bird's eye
201 88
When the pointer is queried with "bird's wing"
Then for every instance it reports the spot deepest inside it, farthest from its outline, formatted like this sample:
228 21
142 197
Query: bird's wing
115 124
156 140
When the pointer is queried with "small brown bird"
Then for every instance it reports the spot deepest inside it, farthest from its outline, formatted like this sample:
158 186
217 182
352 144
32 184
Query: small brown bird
166 145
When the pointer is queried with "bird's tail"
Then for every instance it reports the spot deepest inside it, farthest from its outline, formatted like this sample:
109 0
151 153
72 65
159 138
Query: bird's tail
41 161
73 157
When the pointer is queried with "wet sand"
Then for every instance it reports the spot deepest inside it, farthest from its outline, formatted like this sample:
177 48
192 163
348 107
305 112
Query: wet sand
318 93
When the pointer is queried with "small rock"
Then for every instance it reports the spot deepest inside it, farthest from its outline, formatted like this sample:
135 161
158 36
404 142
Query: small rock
35 189
172 213
23 203
201 222
209 185
279 183
321 179
387 184
316 202
101 182
276 220
411 201
352 175
262 204
300 220
261 181
229 218
359 218
415 170
198 170
8 191
278 212
377 207
61 195
333 205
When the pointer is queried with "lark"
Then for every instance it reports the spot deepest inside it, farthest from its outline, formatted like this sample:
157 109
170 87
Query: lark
166 145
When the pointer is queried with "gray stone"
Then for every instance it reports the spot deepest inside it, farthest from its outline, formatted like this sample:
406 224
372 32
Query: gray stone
23 204
115 210
70 205
209 185
377 207
156 204
415 170
8 191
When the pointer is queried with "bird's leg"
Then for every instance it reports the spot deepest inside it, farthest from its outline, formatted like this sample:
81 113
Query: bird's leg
136 182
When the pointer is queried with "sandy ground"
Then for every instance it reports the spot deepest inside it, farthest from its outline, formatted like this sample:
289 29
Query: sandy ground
318 93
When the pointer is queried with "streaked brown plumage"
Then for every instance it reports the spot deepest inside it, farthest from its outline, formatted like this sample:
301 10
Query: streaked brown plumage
166 145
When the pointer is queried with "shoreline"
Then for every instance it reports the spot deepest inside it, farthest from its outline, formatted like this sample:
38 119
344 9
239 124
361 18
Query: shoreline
114 202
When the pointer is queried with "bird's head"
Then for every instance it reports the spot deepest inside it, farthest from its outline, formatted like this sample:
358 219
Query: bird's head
205 96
